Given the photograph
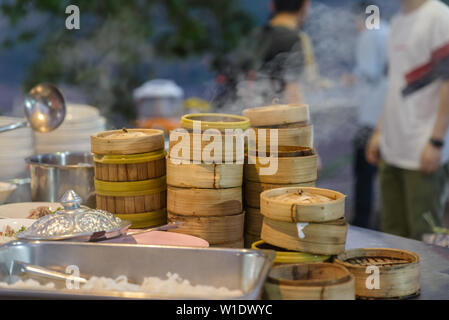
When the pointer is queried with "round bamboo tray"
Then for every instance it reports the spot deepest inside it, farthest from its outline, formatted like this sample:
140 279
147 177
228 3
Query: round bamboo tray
277 114
219 121
310 281
189 147
399 272
281 210
102 143
287 257
146 219
298 135
131 197
254 189
253 221
209 176
134 167
217 230
204 202
289 170
328 238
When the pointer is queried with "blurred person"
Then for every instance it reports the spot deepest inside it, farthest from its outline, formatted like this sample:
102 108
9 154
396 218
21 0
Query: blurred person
410 142
370 77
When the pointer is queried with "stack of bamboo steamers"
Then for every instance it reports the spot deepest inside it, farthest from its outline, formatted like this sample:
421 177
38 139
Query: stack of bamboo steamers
297 162
205 195
130 175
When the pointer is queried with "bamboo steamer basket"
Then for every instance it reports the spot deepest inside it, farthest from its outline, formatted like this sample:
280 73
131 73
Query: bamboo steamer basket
277 114
136 167
131 197
145 220
250 239
399 272
287 257
103 143
234 244
217 230
253 221
310 281
283 152
194 147
219 121
281 210
252 190
203 175
327 238
289 170
204 202
298 135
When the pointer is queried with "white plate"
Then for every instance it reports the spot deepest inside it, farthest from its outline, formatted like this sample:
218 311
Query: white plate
15 224
21 210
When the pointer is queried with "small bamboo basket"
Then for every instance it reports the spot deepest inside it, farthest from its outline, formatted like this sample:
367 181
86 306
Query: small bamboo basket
253 222
310 281
282 210
298 135
399 272
328 238
289 169
218 121
217 230
209 176
275 115
254 189
204 202
288 257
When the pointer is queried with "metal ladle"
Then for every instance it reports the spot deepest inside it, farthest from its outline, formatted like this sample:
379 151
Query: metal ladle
44 109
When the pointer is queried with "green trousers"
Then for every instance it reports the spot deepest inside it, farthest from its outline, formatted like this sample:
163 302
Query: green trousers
407 195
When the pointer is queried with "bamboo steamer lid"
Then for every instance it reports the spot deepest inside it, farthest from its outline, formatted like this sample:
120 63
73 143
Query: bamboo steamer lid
254 189
277 114
189 146
204 202
217 230
399 272
287 257
289 170
328 238
253 221
127 141
298 135
219 121
210 176
310 281
283 204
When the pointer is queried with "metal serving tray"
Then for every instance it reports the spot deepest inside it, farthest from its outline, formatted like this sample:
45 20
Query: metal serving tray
233 268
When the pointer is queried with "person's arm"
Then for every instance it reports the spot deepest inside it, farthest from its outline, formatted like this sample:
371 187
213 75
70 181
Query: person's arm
372 152
431 156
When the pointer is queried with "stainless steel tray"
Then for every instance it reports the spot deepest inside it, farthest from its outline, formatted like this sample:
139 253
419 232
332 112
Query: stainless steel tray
233 268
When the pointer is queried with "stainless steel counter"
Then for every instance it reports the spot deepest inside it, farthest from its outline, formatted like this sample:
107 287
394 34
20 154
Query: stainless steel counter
434 260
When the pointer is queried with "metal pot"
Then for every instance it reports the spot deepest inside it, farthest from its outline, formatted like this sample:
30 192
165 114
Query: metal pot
55 173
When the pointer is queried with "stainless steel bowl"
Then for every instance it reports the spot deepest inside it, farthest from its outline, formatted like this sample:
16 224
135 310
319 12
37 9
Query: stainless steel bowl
53 174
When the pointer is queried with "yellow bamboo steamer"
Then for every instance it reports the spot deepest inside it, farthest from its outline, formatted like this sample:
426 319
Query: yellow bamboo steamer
127 141
285 170
327 238
288 257
204 202
253 221
203 175
218 121
277 114
199 147
133 167
286 204
299 135
131 197
398 272
254 189
310 281
217 230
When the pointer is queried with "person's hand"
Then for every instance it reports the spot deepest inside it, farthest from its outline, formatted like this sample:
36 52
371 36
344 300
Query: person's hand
372 152
430 159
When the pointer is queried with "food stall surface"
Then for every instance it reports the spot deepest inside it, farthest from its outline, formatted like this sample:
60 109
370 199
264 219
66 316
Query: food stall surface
434 260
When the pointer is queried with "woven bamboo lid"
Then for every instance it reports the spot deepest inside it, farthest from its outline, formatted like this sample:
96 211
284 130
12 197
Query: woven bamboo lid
275 115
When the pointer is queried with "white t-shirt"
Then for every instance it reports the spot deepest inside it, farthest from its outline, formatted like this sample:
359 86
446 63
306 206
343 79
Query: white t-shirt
418 41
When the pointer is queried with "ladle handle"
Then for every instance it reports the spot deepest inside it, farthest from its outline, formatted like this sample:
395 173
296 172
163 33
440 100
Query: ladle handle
14 126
